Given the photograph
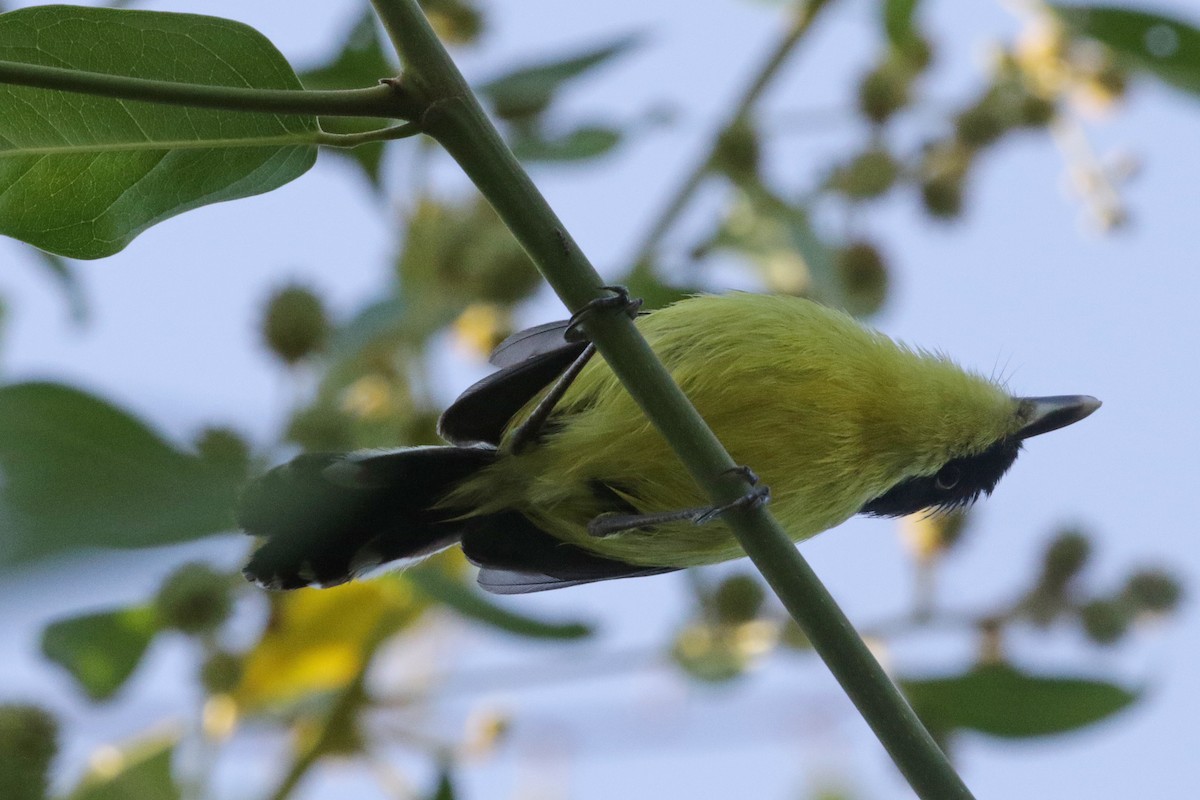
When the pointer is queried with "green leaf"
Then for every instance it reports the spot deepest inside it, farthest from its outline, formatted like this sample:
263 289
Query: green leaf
527 91
361 62
84 175
1000 700
473 605
101 650
144 773
79 472
1165 47
584 142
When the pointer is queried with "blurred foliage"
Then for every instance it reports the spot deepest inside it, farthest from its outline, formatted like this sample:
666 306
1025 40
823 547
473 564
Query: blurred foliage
528 91
522 98
28 744
1000 700
1166 48
320 640
139 771
80 472
295 325
101 650
472 605
361 61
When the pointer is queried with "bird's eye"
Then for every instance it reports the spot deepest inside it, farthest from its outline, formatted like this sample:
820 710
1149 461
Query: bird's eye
947 478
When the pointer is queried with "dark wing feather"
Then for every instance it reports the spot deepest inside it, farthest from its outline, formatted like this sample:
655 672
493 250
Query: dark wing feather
518 558
499 581
481 413
328 517
531 342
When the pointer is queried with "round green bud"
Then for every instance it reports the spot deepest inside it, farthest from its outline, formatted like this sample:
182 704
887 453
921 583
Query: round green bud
793 637
482 261
863 276
738 599
221 672
194 599
28 744
883 91
917 52
708 653
1036 112
1153 590
942 196
869 175
1065 557
295 324
1104 621
737 153
1043 606
498 271
979 125
454 23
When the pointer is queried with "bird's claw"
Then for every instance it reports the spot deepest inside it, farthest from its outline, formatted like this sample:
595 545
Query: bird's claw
757 497
619 299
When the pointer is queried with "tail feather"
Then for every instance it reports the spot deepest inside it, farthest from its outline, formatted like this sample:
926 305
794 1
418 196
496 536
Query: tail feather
328 518
517 557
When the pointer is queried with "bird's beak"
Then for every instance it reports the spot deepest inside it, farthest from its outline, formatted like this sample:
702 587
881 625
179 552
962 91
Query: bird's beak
1046 414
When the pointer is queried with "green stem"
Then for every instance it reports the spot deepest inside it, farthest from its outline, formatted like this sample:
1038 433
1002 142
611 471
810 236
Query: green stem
366 137
283 140
376 101
339 717
455 119
802 19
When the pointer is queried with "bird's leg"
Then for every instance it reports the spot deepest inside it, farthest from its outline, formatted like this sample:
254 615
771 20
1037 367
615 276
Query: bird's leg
757 497
619 299
610 524
528 431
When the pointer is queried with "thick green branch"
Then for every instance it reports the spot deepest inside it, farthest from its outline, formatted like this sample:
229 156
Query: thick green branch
376 101
454 118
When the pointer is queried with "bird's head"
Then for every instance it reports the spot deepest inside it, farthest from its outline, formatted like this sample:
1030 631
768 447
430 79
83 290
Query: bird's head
973 469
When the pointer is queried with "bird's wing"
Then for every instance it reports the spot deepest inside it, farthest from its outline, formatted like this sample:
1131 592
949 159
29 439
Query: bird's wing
531 342
481 413
516 557
498 581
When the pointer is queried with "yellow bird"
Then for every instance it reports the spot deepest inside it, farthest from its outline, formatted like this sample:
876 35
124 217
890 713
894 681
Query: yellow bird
835 418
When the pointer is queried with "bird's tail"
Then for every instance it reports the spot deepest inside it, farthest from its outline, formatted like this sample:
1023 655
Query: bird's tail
328 518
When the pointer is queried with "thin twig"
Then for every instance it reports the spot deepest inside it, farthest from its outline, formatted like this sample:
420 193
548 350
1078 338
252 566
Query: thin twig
376 101
802 19
366 137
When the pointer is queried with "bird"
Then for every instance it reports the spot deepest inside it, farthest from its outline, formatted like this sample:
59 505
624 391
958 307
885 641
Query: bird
552 477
